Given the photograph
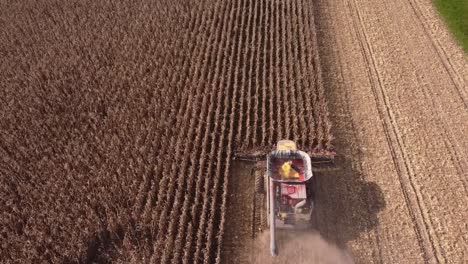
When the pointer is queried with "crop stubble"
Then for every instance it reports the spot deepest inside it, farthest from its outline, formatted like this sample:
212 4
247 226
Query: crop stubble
119 121
400 81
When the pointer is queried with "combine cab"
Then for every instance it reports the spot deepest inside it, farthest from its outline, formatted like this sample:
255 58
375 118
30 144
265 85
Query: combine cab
290 197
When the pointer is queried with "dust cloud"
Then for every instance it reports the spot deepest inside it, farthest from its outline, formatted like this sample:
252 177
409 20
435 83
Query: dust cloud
299 248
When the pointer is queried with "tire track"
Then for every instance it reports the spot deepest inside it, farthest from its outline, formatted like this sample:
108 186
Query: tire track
446 138
349 125
454 76
375 82
405 71
412 195
451 144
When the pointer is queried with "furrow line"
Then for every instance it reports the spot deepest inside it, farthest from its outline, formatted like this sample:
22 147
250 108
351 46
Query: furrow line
315 90
304 79
168 171
292 77
309 94
190 159
244 95
297 75
214 193
164 110
238 40
234 16
272 131
199 184
164 194
198 192
283 85
241 65
184 144
279 107
411 194
224 193
456 79
266 66
205 148
325 139
447 138
173 114
145 184
219 179
253 52
165 150
165 117
392 150
258 81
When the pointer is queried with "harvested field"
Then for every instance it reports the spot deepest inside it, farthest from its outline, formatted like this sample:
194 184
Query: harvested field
400 99
119 120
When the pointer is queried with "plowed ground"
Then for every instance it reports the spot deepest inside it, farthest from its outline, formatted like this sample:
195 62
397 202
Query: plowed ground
396 83
119 120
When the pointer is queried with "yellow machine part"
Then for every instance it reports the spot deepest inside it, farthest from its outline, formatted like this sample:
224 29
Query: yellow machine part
286 145
283 216
287 172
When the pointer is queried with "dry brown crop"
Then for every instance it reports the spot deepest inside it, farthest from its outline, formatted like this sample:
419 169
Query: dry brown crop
119 119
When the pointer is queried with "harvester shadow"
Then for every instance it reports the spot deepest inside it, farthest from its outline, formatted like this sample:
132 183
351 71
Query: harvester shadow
346 205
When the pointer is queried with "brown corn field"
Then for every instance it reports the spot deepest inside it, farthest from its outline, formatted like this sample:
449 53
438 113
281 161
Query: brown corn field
119 121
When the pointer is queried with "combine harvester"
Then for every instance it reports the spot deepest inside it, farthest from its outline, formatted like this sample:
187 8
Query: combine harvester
290 197
289 186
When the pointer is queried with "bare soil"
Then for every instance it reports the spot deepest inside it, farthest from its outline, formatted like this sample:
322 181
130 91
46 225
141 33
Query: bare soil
397 86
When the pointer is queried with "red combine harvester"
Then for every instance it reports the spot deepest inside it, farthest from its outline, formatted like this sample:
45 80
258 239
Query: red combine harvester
290 197
288 185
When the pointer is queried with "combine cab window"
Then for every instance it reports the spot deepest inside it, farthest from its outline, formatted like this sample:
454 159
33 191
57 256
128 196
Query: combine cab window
288 169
